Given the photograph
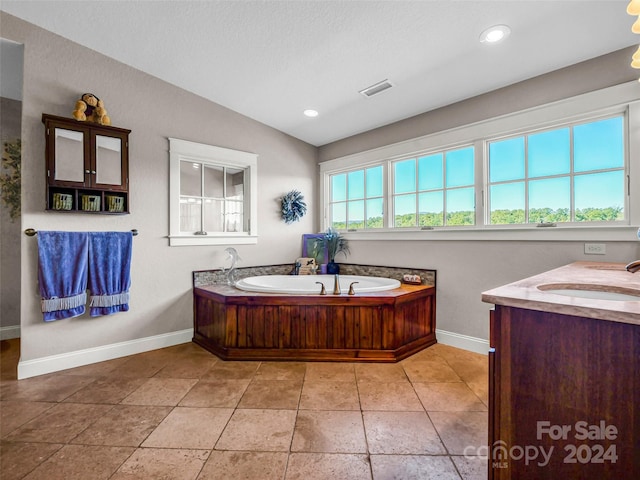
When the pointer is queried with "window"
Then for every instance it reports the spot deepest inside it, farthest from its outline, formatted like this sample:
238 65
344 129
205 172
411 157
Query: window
213 195
357 200
435 190
573 164
569 174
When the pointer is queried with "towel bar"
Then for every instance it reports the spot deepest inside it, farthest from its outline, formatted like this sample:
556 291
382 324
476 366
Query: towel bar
31 232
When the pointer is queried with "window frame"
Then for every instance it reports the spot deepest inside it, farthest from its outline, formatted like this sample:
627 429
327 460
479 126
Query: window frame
623 98
183 150
571 174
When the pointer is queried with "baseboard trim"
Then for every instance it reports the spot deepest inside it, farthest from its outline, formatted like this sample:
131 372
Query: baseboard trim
7 333
79 358
473 344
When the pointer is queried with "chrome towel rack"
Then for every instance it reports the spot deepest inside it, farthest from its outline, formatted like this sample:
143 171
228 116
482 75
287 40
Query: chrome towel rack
32 232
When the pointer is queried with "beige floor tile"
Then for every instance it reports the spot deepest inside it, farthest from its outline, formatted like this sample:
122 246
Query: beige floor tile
159 463
160 391
297 420
192 366
227 465
328 466
470 369
81 462
143 366
281 371
404 433
380 372
106 390
98 369
124 425
398 396
448 397
329 432
481 389
18 459
16 413
60 424
430 353
328 371
431 370
231 371
412 467
471 468
323 395
278 394
191 428
258 430
215 393
459 430
47 388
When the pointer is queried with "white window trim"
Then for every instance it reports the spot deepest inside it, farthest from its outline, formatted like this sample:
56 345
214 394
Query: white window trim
180 150
616 99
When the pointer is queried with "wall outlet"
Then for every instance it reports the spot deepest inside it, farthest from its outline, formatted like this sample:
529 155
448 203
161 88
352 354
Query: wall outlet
595 248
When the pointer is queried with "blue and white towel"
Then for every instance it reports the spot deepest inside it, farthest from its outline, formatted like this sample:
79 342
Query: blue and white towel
109 272
62 273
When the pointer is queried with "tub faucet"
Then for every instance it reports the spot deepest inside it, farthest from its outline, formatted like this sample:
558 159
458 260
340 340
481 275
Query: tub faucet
336 284
233 255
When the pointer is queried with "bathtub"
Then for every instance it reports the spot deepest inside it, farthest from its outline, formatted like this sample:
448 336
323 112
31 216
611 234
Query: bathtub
384 325
306 284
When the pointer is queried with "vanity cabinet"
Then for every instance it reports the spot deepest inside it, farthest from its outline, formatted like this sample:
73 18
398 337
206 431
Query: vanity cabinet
87 166
564 396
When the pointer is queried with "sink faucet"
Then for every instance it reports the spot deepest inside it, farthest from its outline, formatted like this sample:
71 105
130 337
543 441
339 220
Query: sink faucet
633 267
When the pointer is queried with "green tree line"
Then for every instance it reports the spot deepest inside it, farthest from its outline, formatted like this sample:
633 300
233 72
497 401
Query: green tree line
498 217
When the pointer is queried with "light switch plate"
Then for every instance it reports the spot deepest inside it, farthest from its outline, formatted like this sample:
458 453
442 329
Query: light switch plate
595 248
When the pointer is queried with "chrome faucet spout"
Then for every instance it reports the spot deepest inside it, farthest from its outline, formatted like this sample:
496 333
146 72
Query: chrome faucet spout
633 267
336 284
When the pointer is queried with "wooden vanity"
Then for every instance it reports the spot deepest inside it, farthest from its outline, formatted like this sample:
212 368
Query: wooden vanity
564 388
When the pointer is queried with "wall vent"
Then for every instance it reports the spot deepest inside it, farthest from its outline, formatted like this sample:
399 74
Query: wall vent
377 88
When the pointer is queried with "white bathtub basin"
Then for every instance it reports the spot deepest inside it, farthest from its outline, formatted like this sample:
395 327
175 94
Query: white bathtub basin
306 284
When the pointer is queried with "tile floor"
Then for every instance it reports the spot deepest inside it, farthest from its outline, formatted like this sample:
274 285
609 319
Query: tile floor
181 413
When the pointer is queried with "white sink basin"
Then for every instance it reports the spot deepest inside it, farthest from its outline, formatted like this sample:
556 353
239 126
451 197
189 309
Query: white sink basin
595 292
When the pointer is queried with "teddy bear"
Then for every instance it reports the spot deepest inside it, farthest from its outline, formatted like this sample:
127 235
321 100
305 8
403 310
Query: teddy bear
90 108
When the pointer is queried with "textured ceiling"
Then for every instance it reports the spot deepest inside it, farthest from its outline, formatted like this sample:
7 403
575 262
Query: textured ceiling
270 60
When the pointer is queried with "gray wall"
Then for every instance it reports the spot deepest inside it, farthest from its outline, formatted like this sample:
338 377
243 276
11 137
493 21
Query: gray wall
56 73
467 268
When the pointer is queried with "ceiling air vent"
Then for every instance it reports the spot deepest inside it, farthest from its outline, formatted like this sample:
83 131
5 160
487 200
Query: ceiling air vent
377 88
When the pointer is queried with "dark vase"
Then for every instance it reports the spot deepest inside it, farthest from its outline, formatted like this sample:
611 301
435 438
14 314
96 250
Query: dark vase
333 268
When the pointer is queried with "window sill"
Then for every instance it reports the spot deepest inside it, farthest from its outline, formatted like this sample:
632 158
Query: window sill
187 240
618 233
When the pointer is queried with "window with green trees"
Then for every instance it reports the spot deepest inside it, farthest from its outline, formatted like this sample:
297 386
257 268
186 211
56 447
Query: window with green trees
570 174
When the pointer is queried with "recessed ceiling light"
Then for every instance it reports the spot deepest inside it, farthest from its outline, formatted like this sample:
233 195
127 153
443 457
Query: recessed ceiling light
311 113
495 34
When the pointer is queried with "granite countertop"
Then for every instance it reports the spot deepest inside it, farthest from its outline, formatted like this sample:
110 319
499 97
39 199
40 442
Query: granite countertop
610 277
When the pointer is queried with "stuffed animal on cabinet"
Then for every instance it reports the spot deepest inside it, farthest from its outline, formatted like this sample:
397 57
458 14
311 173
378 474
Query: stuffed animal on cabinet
91 109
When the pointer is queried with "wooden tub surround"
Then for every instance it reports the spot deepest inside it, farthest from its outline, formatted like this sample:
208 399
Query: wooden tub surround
370 327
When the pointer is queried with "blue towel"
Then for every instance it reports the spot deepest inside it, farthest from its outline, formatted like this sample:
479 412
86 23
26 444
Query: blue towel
62 273
109 272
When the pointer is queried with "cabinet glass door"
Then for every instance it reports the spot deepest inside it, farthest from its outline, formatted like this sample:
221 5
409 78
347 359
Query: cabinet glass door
69 156
108 160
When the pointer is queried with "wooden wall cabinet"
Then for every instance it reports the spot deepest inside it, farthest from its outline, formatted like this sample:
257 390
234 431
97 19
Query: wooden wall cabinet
87 166
580 377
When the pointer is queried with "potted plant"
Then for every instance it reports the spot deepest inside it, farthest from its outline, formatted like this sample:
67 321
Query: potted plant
335 244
